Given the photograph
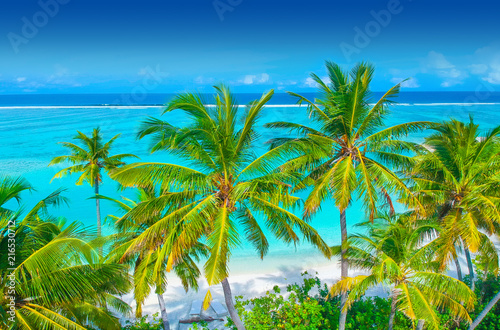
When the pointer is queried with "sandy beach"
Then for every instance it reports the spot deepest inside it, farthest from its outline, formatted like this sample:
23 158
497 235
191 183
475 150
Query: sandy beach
253 283
251 277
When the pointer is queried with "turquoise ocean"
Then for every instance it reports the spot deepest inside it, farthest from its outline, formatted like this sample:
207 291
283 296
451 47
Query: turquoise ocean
31 126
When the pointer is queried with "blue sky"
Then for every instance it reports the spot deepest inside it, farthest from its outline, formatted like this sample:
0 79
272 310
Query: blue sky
88 46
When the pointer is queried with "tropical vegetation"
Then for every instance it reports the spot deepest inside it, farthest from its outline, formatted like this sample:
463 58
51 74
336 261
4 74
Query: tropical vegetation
427 205
348 151
222 187
149 264
394 253
53 277
89 160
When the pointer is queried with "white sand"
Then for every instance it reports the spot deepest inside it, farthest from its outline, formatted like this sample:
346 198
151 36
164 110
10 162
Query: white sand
250 281
252 277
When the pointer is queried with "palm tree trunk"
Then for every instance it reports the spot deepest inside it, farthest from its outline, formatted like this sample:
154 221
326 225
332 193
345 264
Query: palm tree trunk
164 316
420 324
485 311
98 207
393 310
459 269
343 268
471 268
228 297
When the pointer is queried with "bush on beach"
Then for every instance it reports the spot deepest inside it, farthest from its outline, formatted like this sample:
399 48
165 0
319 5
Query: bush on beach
306 306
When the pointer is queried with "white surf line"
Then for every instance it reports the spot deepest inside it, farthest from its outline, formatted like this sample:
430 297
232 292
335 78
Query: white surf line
464 104
104 106
130 107
82 107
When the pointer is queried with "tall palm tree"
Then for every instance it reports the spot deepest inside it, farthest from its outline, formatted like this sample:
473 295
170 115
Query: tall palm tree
485 311
59 281
222 190
348 150
89 159
394 254
456 179
149 263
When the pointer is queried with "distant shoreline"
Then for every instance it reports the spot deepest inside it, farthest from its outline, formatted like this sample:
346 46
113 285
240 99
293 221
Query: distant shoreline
143 106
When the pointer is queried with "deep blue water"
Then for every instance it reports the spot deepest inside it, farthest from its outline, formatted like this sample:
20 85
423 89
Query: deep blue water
31 129
482 96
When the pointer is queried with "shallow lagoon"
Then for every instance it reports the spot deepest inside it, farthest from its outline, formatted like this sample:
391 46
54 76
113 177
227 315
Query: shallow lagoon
29 138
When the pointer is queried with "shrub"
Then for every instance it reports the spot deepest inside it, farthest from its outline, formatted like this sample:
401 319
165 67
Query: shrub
302 310
142 323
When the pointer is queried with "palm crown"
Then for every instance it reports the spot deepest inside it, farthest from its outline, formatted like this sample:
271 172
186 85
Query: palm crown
348 151
88 160
224 187
395 255
456 179
349 146
59 282
148 263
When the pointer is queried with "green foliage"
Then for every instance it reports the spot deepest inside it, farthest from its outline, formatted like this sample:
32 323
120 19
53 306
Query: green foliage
203 325
53 272
148 263
348 152
142 323
486 288
273 311
456 179
394 255
307 306
222 193
89 157
368 313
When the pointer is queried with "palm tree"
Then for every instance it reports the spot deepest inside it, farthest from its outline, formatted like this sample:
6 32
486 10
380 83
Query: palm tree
59 282
10 189
394 254
88 159
149 263
456 179
220 184
348 151
485 311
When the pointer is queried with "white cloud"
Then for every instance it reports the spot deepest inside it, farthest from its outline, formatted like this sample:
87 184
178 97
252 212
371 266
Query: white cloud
62 76
282 85
493 77
438 61
478 68
143 71
20 79
248 79
287 82
202 80
438 64
251 79
487 63
264 78
59 73
309 82
410 83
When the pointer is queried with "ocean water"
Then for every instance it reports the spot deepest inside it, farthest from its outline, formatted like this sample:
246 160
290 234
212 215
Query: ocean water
33 125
